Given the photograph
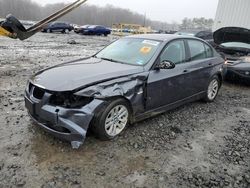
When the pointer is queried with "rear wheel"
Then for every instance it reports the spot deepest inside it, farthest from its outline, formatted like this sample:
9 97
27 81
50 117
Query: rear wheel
213 89
48 31
112 121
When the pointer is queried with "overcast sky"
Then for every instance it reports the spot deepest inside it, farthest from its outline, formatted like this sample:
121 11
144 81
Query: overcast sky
163 10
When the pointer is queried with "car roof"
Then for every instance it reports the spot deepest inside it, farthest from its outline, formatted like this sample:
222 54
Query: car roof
160 37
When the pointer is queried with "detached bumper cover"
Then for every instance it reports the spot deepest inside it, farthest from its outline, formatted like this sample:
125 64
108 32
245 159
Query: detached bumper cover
67 124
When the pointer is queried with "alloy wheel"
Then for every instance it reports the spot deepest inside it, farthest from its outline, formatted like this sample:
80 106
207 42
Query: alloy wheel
213 89
116 120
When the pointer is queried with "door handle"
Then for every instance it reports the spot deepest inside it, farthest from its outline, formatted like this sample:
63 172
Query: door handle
192 69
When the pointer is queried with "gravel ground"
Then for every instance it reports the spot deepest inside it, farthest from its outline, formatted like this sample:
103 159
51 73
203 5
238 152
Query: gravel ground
197 145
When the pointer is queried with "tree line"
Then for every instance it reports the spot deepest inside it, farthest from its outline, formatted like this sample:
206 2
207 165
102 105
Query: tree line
86 14
200 23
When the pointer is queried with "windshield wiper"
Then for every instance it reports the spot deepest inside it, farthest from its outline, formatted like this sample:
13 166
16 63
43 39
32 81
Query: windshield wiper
109 59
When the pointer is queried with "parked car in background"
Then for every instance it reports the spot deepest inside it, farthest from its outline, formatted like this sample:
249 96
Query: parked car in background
206 35
166 31
234 44
95 30
58 27
79 29
130 80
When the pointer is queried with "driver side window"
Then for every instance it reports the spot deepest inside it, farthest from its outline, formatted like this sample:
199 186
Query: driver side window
174 52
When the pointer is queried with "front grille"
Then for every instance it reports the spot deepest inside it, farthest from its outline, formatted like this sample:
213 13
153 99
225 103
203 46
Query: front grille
38 93
232 60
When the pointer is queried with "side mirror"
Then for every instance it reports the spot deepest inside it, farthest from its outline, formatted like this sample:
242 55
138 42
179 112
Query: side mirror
166 65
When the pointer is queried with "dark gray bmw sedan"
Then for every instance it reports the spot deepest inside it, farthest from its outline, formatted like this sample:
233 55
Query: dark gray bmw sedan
133 78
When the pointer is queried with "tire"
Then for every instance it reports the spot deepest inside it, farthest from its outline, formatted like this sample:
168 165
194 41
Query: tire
48 31
212 89
66 31
107 127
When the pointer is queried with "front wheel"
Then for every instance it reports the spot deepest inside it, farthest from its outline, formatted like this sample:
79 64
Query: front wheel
112 121
213 89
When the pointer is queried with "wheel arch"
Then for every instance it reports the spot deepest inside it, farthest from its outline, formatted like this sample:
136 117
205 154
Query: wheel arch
219 75
131 110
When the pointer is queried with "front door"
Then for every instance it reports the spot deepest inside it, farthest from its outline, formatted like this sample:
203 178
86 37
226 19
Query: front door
169 86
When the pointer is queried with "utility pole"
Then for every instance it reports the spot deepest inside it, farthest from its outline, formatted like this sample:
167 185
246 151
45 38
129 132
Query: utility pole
145 17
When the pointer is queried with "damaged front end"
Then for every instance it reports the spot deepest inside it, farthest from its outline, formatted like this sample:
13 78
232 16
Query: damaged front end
68 115
131 88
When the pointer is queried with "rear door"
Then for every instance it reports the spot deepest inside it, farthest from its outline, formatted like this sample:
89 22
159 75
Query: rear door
200 65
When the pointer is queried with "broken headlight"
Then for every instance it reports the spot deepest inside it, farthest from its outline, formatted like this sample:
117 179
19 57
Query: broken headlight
68 100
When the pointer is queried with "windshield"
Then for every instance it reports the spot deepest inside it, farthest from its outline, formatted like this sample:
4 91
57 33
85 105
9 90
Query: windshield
236 45
130 51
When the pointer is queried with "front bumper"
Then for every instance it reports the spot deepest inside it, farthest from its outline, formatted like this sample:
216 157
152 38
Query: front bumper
66 124
237 75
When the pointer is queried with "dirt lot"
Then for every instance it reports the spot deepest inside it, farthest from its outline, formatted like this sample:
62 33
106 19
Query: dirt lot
197 145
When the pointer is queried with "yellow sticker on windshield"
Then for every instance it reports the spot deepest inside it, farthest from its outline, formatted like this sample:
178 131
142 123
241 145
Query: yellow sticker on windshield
146 49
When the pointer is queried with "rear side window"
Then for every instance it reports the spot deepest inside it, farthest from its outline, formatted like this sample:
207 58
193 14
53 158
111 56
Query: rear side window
197 50
59 24
209 51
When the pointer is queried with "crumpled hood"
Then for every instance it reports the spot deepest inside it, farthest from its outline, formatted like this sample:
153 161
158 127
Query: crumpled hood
232 34
80 74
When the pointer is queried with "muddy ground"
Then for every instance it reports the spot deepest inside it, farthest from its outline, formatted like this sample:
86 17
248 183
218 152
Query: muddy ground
197 145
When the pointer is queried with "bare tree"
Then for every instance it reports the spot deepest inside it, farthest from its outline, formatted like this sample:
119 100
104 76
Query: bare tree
87 14
197 23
